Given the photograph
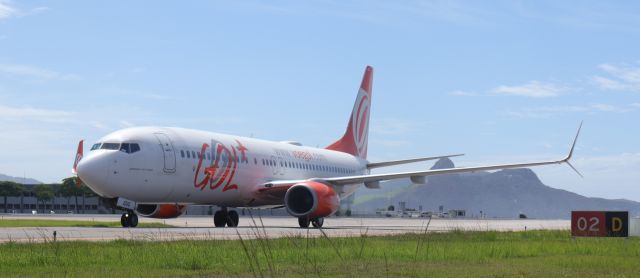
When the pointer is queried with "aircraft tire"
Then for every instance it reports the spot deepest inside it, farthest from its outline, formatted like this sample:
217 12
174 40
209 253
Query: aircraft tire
124 220
303 222
232 218
317 222
133 220
220 218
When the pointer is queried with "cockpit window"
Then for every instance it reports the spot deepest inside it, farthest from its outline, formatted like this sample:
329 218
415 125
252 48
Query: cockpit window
129 147
96 146
135 147
125 148
110 146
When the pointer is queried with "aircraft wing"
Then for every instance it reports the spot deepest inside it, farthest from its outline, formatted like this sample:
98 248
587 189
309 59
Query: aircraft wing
372 180
406 161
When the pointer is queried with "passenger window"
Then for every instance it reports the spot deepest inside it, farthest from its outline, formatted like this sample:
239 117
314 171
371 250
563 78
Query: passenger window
193 154
188 154
182 153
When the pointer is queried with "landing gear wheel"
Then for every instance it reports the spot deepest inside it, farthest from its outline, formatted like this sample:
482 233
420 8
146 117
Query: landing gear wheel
129 219
317 222
124 220
220 218
133 220
232 218
303 222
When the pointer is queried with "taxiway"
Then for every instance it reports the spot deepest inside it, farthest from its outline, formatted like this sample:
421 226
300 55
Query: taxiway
201 228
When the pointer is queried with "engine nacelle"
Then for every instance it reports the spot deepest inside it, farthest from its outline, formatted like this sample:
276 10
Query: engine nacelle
160 211
312 199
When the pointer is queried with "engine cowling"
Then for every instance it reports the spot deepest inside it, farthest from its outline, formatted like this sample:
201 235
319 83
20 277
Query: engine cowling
311 199
160 211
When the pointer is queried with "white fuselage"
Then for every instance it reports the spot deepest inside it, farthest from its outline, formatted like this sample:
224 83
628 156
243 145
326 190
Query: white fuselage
166 169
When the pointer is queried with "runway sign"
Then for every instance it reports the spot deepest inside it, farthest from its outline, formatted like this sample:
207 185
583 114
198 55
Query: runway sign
600 223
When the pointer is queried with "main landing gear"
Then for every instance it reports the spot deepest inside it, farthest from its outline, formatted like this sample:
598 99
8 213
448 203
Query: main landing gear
226 217
305 221
129 219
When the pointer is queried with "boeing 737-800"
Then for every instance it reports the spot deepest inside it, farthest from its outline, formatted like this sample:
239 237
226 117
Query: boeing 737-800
158 171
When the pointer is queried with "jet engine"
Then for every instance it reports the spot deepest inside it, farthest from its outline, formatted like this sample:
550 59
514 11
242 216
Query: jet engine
311 199
160 211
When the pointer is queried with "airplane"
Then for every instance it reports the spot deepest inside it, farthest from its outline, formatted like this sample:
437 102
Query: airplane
158 171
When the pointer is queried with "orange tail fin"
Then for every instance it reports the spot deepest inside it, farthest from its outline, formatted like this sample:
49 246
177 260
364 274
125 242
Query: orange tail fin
356 139
79 154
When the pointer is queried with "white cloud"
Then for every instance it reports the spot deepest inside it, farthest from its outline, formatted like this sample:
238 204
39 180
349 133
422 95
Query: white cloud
534 89
607 108
31 71
463 94
392 126
546 112
390 143
35 11
115 90
124 123
6 10
7 112
619 79
99 125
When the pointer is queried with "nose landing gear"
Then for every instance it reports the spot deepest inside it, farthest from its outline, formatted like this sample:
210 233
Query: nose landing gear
226 217
129 219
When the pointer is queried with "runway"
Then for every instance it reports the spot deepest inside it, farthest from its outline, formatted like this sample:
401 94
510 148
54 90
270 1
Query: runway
201 228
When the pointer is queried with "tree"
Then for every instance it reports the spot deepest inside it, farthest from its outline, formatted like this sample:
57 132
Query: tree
86 192
70 188
43 193
9 188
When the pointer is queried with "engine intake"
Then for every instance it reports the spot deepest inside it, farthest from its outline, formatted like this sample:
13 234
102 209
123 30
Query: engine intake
160 211
312 199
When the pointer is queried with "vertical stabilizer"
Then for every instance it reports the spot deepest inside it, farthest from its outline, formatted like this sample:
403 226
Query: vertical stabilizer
356 139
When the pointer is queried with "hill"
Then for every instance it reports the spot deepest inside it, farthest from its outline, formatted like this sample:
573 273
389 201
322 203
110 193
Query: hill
504 193
19 180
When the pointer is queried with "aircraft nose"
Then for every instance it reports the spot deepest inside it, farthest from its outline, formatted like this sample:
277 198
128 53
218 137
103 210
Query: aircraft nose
93 171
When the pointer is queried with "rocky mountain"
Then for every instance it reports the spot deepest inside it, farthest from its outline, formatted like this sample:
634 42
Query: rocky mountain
19 180
505 193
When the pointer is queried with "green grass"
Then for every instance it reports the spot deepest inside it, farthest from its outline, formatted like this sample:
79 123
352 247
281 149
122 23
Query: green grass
6 223
454 254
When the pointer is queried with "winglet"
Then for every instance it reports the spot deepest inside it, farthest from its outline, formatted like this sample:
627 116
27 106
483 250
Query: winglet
573 146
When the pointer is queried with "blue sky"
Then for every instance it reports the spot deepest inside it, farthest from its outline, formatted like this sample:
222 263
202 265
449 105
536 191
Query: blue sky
504 82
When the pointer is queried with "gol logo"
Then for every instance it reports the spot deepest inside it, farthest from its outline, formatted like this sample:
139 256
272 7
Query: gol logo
222 168
360 123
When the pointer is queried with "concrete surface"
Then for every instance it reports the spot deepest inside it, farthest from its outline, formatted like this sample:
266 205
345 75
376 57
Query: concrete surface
201 228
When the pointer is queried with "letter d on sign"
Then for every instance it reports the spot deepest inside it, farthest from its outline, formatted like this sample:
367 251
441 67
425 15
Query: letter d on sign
616 224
